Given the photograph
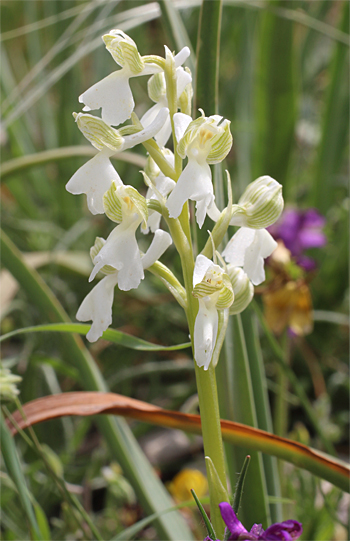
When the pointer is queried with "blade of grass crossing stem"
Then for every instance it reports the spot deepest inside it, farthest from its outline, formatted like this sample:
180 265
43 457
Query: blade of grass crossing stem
275 98
208 48
119 437
117 337
14 470
175 30
255 508
335 124
262 407
295 383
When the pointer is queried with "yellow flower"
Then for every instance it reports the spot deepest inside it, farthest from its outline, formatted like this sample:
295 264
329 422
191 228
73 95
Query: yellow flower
289 305
187 479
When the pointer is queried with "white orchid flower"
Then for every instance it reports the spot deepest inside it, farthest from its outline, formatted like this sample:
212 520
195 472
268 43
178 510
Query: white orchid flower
157 93
204 141
213 289
97 305
113 94
124 205
248 248
96 176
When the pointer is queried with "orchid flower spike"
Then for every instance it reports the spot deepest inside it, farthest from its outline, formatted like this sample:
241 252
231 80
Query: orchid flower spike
97 305
206 140
248 248
96 176
212 287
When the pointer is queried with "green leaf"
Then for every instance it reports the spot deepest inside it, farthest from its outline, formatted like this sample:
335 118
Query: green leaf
335 124
208 53
14 470
275 96
255 506
112 335
262 407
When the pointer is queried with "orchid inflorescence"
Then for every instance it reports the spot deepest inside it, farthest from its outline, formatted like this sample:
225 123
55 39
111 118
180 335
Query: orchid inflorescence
221 283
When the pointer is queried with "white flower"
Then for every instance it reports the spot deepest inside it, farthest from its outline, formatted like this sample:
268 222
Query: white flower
204 142
113 93
247 249
125 205
213 289
96 176
97 305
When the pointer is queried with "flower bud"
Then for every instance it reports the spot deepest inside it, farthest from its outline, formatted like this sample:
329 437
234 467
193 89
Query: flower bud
156 87
185 99
100 134
260 205
124 50
242 288
121 202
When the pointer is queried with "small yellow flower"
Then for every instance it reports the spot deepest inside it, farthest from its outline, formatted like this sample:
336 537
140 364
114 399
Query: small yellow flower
187 479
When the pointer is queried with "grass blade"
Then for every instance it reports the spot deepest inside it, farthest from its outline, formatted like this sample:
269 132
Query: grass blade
117 337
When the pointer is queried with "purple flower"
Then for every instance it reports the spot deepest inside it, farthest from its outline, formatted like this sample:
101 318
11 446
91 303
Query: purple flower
300 230
281 531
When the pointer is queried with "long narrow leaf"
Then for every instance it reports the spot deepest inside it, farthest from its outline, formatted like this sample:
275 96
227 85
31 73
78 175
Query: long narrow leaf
117 337
14 470
94 403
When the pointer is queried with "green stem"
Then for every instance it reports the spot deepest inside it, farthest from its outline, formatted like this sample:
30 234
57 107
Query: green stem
281 405
206 380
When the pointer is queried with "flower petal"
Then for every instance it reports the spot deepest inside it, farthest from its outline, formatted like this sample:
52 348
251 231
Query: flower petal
205 332
283 531
181 122
94 178
97 306
235 250
194 183
121 251
160 242
182 56
164 133
230 518
113 95
200 268
148 132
